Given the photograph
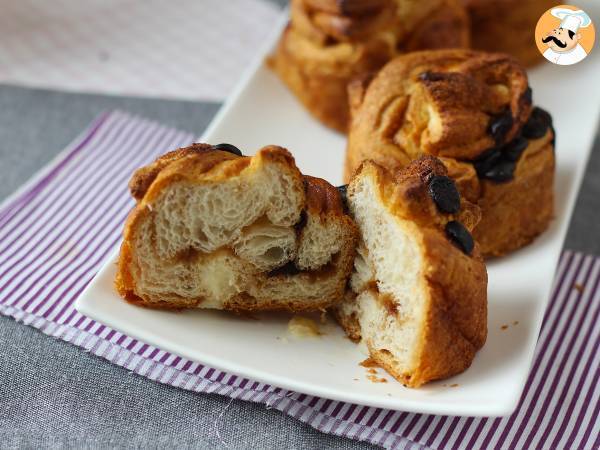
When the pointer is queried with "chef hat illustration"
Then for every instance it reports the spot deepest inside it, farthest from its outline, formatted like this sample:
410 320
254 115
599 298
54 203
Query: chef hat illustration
571 20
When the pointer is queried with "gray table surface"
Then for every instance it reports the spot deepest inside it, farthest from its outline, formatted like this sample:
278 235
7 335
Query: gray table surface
54 395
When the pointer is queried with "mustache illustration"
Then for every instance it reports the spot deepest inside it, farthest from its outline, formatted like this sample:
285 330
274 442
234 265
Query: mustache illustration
556 41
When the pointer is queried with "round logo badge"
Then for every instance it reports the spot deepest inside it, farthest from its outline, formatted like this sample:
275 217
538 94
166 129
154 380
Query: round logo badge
565 35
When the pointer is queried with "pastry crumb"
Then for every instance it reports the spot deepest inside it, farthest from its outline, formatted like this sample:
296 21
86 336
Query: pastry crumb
579 287
376 379
368 363
299 326
504 327
454 385
372 367
516 322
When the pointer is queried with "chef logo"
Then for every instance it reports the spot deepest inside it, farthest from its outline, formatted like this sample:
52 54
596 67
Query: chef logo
565 35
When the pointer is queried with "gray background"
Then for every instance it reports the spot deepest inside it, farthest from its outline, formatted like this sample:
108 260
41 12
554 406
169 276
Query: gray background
53 394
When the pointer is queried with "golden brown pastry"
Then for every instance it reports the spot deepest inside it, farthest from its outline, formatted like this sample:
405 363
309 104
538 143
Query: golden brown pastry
330 42
418 293
214 229
507 26
473 110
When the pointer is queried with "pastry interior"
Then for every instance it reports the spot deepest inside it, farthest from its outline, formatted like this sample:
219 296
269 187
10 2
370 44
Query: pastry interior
417 295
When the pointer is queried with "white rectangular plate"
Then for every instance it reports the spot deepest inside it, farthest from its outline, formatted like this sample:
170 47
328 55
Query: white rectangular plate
263 112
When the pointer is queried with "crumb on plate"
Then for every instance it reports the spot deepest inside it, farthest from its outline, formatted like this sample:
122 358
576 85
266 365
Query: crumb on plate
299 326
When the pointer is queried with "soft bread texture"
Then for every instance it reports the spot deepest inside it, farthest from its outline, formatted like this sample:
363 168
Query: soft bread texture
416 299
215 230
507 26
443 103
328 43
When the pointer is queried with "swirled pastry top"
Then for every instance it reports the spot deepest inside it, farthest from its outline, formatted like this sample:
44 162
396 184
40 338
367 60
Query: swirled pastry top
327 22
448 103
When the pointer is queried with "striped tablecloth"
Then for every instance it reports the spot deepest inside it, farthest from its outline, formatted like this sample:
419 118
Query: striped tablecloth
186 49
57 230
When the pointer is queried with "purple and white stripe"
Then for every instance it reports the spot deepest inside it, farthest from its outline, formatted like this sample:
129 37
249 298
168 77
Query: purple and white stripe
56 232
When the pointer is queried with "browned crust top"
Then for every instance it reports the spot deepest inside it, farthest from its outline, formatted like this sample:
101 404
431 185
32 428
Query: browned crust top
202 162
346 7
406 195
199 162
462 91
322 197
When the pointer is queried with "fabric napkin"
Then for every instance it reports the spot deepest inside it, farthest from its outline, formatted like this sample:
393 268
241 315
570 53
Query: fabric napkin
56 232
122 47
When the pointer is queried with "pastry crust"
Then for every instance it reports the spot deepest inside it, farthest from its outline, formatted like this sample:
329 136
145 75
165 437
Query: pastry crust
507 26
329 43
309 280
451 286
459 105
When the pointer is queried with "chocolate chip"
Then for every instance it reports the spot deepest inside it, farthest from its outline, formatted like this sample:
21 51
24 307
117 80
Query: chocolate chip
538 124
444 193
228 148
487 160
301 223
460 236
527 96
553 141
513 150
500 125
503 171
432 76
343 190
287 269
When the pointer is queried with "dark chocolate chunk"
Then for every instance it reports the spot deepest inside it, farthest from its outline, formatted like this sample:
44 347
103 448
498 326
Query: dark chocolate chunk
513 150
527 96
444 193
500 125
460 236
287 269
343 190
432 76
553 141
503 171
487 160
301 223
228 148
538 124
